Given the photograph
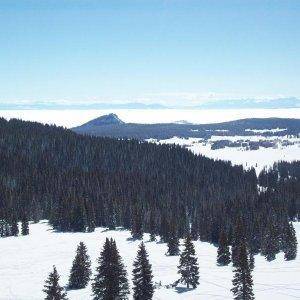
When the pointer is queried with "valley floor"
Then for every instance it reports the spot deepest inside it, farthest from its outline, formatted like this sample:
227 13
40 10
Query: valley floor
26 261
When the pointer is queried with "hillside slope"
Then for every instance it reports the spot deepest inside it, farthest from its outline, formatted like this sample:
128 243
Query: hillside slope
111 126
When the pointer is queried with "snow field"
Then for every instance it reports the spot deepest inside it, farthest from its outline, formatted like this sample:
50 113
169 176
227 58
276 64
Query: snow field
263 157
26 261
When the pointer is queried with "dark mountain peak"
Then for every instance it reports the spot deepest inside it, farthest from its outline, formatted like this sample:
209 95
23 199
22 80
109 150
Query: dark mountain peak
110 119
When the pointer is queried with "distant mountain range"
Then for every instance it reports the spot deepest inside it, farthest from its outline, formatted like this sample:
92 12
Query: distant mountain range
252 103
111 126
224 104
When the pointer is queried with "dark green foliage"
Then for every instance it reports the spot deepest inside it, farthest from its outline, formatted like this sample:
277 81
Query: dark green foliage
223 256
14 227
25 226
110 281
137 224
188 265
270 242
242 281
173 246
251 261
238 237
290 243
173 240
81 268
111 216
80 182
142 276
153 226
52 288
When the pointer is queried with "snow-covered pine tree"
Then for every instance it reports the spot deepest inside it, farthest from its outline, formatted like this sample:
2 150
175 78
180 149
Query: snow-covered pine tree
81 268
142 276
242 281
52 288
223 256
110 281
188 265
290 243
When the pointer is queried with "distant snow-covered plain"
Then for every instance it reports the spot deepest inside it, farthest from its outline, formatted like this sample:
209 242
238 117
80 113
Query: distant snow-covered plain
260 158
72 118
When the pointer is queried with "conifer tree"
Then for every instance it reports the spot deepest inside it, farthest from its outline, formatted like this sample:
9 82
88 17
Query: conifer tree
251 261
111 216
14 227
153 226
173 240
78 216
269 245
142 276
188 265
242 281
81 268
90 212
290 243
238 237
173 246
137 224
25 226
110 281
223 256
52 288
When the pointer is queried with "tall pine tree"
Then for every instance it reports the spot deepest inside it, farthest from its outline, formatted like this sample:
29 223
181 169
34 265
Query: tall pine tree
290 243
242 281
188 265
110 281
173 240
223 256
52 288
14 227
81 268
137 224
25 226
142 276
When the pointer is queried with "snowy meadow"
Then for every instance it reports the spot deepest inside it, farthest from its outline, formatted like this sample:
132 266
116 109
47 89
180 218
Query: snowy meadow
27 260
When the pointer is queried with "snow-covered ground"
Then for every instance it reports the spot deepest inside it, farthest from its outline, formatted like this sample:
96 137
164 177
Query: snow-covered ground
263 157
26 261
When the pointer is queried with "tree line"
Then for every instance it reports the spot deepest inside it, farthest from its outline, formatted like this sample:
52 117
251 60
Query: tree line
79 182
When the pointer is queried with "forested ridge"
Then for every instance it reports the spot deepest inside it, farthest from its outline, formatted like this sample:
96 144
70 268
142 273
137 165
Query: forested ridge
283 185
79 182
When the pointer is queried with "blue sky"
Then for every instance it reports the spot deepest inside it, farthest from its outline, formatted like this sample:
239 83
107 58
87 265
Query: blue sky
148 51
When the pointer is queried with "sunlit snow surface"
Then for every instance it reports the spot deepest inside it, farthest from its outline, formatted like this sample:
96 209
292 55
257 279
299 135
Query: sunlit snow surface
26 261
263 157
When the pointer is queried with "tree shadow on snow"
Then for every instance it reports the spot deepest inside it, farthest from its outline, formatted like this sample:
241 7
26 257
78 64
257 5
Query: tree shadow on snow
181 289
